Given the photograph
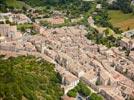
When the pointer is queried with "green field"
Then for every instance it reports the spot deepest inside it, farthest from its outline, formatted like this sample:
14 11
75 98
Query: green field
119 19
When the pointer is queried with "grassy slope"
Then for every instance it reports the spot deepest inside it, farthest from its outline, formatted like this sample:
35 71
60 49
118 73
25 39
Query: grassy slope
121 20
16 4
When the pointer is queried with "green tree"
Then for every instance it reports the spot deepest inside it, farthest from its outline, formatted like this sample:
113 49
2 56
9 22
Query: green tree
94 96
124 5
72 93
83 89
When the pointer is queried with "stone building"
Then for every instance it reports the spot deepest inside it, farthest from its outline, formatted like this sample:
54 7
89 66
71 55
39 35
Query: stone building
69 81
127 43
21 19
9 31
38 28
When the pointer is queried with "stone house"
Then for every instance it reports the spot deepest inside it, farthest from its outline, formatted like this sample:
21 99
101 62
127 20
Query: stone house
69 81
38 28
127 43
21 19
9 31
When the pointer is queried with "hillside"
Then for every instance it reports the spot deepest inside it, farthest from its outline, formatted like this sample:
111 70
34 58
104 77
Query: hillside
14 4
28 78
33 3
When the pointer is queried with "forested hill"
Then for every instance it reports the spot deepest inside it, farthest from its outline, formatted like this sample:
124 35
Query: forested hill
34 2
28 78
69 6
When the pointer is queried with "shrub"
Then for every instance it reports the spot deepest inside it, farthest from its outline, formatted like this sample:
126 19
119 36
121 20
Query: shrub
72 93
95 96
83 89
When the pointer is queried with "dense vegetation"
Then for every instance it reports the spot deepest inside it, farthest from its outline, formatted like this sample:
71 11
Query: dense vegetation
123 5
110 36
95 96
28 78
102 18
106 38
82 89
12 4
69 7
72 9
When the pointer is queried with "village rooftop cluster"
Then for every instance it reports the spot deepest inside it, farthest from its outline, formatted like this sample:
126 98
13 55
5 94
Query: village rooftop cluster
107 71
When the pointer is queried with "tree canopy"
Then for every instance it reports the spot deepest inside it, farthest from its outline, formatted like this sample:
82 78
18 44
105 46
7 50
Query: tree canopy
123 5
29 78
